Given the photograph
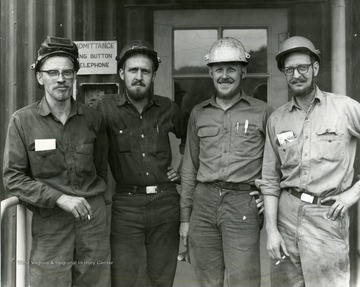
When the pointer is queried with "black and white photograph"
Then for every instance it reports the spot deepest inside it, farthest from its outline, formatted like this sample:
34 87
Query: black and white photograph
180 143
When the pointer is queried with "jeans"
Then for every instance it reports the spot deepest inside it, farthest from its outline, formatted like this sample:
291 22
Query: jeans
145 239
318 246
224 237
68 253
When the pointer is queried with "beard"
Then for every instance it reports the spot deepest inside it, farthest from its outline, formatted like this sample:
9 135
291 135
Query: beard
138 91
301 92
228 94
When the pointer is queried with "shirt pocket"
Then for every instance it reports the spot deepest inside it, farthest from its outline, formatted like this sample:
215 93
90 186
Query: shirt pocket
247 141
159 139
44 164
123 140
329 144
84 154
289 154
208 138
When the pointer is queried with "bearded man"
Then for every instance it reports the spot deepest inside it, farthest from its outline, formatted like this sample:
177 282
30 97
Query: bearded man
145 206
307 175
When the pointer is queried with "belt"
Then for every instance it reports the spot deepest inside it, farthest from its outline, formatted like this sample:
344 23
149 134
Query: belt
309 198
233 185
141 189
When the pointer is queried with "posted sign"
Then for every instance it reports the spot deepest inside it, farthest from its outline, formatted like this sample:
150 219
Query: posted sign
97 57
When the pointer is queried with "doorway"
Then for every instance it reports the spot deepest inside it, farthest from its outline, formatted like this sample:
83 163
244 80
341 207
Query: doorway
183 37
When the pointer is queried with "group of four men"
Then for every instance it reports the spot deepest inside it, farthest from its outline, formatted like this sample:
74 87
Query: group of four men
301 157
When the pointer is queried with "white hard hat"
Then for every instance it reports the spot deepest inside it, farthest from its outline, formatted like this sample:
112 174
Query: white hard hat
227 49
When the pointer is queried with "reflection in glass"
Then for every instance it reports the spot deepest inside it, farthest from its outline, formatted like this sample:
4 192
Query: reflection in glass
256 88
255 42
190 92
190 47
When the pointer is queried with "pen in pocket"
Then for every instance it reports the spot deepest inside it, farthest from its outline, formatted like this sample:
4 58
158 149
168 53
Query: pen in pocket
246 126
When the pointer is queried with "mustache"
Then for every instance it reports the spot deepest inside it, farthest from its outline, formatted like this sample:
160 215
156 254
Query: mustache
295 81
138 82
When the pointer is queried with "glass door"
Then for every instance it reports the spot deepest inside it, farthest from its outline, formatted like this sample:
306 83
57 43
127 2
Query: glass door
183 37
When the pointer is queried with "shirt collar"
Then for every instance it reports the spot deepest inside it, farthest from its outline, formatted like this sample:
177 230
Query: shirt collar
319 97
212 101
123 99
44 108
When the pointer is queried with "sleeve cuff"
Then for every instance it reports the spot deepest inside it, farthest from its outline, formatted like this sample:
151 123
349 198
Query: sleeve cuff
185 213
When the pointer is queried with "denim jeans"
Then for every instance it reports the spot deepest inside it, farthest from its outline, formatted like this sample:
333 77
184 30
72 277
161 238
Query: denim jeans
318 247
145 239
224 237
68 253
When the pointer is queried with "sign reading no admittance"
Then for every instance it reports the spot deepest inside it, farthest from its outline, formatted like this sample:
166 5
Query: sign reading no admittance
97 57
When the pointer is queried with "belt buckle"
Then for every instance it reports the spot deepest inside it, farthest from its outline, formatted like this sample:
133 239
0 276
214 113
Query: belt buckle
307 197
151 189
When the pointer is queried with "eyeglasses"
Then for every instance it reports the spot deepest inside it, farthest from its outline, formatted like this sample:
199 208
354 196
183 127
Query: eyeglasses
302 69
54 74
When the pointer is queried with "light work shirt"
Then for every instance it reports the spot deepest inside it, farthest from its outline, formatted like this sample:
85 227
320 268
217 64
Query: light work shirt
223 145
71 160
318 158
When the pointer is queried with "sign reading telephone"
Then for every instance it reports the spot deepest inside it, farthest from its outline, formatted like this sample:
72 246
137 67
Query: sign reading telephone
97 57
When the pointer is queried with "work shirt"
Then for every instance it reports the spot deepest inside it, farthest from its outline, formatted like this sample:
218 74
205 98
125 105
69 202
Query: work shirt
139 150
71 159
318 155
223 145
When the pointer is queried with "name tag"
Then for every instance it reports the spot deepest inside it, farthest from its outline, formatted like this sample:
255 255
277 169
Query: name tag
286 137
45 144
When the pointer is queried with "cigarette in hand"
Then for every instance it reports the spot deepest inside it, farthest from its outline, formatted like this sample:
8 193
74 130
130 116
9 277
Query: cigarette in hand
89 216
279 261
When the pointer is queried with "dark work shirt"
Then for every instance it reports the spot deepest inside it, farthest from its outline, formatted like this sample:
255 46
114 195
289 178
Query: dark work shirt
139 145
75 165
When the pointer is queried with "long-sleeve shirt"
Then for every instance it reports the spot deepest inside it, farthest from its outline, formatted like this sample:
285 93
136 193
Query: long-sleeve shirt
223 145
139 144
72 159
319 156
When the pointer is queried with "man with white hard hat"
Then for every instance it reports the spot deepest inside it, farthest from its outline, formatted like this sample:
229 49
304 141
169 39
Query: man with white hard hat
220 208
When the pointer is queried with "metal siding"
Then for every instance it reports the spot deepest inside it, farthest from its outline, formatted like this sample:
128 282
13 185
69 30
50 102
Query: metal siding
25 24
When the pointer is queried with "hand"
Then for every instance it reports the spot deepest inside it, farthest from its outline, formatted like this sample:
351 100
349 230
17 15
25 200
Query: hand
343 202
78 206
184 231
259 199
173 175
276 245
184 256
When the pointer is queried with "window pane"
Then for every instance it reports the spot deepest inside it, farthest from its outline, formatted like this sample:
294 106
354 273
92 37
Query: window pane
190 47
255 87
255 42
189 92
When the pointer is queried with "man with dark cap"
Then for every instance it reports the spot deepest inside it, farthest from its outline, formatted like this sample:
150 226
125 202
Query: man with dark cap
307 175
145 210
55 161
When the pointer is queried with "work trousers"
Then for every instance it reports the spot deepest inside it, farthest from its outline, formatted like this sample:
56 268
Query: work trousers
69 253
145 238
318 246
224 237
